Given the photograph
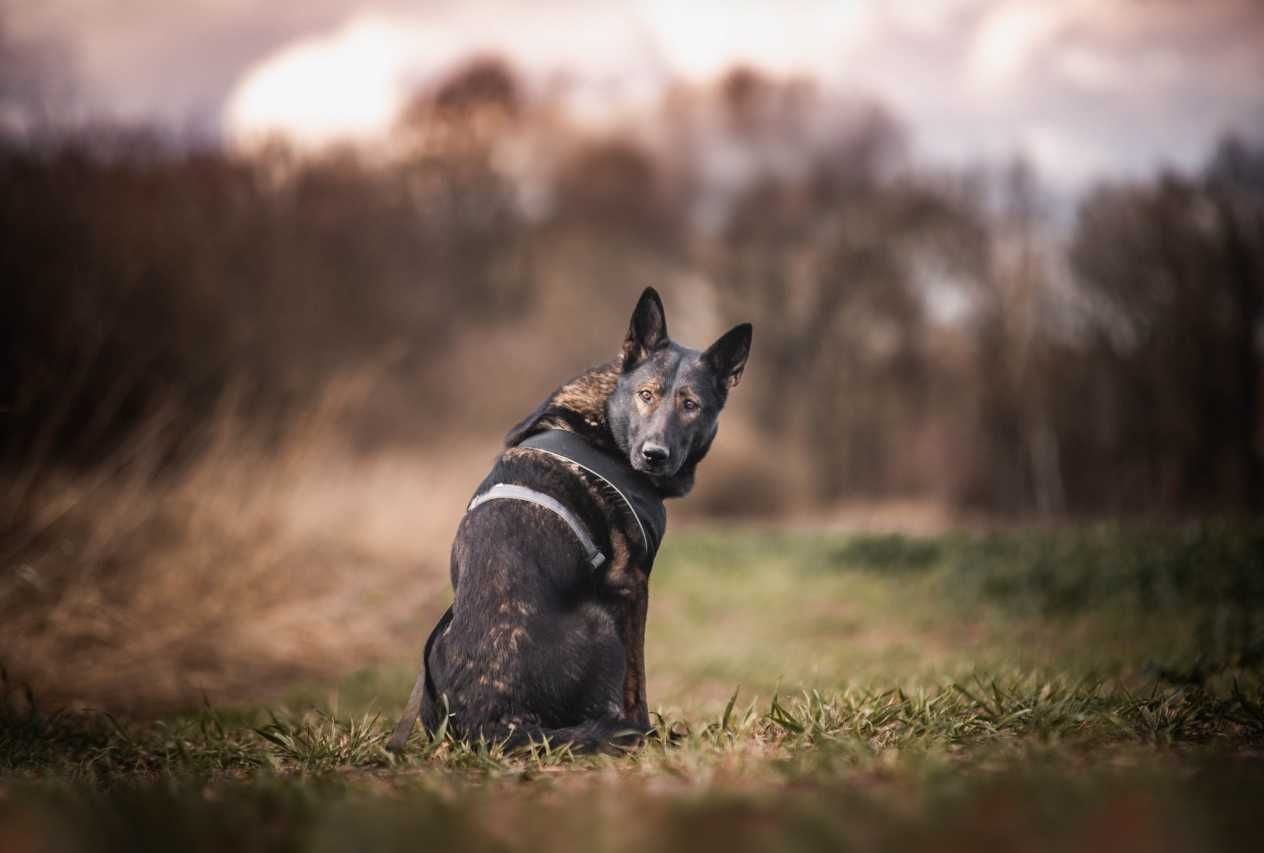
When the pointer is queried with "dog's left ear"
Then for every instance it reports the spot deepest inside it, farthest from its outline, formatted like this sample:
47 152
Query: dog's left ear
647 331
727 356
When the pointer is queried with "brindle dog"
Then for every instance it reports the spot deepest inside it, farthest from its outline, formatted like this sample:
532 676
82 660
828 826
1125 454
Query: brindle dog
539 644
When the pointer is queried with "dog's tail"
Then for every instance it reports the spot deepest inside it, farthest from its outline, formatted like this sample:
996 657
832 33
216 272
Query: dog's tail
608 734
423 688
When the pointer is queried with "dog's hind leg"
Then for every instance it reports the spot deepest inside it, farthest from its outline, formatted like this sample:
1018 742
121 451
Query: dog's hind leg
605 734
632 634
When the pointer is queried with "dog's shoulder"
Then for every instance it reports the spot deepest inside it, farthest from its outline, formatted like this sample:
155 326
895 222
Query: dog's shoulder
578 405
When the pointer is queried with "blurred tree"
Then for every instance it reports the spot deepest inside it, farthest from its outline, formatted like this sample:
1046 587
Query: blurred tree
828 261
1235 181
451 142
1175 272
37 85
141 282
1015 325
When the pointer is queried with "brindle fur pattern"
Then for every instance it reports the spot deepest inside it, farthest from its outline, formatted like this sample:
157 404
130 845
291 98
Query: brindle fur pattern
540 644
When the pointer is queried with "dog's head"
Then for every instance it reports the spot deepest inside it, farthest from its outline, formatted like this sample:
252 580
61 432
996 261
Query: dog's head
664 410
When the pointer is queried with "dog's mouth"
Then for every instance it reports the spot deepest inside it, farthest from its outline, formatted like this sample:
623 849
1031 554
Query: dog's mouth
664 468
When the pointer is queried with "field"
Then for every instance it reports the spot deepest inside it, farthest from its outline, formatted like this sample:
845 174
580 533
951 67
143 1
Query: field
1084 688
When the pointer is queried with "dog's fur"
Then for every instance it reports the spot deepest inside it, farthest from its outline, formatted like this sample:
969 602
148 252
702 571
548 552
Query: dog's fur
539 645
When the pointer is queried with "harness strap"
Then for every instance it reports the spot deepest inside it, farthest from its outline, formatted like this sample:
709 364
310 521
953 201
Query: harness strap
645 542
508 491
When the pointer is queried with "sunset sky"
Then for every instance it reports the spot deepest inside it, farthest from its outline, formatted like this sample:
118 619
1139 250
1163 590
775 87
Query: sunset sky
1086 88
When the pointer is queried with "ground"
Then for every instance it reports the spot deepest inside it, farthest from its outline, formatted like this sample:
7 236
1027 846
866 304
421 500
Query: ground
1087 688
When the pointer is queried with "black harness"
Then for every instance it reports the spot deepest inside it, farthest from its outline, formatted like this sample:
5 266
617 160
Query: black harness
638 496
635 490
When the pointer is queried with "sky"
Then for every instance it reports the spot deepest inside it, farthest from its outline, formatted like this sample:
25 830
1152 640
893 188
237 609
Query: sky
1086 89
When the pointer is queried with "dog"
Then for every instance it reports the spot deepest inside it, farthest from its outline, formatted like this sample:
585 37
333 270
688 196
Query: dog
545 638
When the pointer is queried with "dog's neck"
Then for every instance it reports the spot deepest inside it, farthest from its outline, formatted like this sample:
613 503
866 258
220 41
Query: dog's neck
580 406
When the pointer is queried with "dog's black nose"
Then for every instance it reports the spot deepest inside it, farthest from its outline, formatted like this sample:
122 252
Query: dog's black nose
654 452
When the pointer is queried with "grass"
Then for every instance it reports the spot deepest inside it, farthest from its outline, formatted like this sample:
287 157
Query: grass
1038 690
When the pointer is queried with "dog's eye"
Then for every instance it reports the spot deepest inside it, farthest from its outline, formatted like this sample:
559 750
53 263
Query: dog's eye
646 395
689 405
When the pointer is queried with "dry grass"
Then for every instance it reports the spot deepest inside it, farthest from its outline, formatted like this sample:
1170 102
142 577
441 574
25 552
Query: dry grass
135 590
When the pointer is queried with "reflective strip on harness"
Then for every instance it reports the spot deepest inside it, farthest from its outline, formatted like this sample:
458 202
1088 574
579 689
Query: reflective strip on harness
508 491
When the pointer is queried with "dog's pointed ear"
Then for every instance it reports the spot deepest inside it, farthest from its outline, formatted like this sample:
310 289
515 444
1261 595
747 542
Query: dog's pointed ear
727 356
647 331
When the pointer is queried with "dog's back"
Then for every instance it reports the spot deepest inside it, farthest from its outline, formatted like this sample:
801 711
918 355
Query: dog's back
533 647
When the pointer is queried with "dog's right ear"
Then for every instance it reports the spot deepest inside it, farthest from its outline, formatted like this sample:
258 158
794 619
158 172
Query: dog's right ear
647 331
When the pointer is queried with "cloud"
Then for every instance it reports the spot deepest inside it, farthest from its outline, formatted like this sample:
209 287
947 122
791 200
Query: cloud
345 85
1006 40
1084 88
614 60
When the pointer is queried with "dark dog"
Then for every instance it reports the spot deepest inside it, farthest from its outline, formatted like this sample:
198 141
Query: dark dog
538 643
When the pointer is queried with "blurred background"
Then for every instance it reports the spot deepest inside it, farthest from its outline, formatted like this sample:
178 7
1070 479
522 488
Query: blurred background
275 280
